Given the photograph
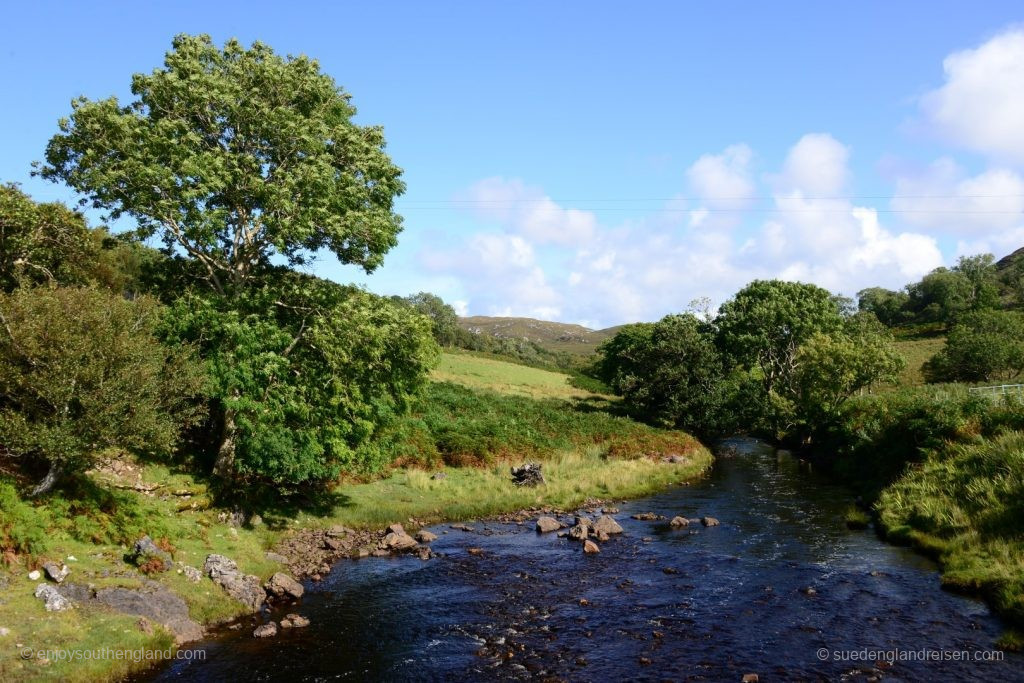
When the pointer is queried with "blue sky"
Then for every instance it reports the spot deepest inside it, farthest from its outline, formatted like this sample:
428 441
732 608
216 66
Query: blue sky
597 163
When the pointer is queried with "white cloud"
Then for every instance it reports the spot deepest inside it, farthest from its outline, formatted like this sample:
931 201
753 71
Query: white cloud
981 104
814 166
645 268
723 180
529 212
943 197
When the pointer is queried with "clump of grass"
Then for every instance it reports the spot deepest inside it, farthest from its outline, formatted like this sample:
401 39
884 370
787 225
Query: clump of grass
965 506
856 518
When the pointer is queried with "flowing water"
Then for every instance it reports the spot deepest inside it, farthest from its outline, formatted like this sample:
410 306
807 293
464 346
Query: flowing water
657 603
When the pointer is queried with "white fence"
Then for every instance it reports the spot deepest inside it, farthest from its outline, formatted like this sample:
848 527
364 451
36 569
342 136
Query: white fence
999 390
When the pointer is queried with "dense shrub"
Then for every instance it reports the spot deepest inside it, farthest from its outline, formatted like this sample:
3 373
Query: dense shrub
81 370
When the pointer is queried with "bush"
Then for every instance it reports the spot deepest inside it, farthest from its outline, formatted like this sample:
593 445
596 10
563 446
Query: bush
81 370
983 346
24 528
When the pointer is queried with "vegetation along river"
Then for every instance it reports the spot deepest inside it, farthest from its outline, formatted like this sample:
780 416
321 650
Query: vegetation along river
780 588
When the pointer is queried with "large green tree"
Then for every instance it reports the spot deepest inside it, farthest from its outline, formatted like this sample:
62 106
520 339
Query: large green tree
763 326
242 159
235 156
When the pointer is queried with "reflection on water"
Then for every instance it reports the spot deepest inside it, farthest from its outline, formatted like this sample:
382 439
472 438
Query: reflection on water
779 580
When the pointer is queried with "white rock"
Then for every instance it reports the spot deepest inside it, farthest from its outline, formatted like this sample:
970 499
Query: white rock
34 575
4 631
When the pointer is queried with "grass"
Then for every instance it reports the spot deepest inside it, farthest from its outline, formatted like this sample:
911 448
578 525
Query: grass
917 352
487 414
506 378
965 505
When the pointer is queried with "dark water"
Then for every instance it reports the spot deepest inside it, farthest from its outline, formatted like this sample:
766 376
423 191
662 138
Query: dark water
729 603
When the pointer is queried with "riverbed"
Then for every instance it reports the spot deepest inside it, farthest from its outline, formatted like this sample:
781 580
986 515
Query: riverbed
780 588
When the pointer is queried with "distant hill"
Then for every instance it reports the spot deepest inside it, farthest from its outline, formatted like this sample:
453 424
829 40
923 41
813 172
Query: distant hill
1009 260
559 337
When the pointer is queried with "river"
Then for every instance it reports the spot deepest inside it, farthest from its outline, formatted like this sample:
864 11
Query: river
657 603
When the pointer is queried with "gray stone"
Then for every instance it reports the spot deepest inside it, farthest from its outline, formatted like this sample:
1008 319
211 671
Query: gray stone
397 541
276 557
527 475
608 525
294 621
34 575
281 585
247 589
426 537
267 630
157 603
438 476
548 524
146 550
192 574
56 572
52 598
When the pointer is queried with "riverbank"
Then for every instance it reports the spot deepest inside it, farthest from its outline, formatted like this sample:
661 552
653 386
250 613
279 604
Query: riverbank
457 447
944 471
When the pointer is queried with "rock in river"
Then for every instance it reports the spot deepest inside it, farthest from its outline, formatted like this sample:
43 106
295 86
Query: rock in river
267 630
281 585
606 524
426 537
589 547
547 524
679 521
709 521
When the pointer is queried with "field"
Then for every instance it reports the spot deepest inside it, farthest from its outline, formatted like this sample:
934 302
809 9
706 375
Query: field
917 352
505 378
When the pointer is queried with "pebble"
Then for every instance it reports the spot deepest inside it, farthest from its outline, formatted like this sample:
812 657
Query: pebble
34 575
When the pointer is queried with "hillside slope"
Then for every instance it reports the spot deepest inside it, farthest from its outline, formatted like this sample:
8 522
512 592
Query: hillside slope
558 337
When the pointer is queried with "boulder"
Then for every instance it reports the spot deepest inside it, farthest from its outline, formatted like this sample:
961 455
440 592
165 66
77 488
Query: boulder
647 516
396 529
750 678
527 475
608 525
547 524
425 537
52 598
709 521
603 536
247 589
146 552
281 585
294 621
267 630
192 574
580 532
589 547
156 603
679 521
397 541
56 572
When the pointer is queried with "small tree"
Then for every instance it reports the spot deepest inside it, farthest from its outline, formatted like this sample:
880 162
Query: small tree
668 372
444 320
80 370
982 346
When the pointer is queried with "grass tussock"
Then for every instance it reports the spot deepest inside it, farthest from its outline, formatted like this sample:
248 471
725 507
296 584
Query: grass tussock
965 505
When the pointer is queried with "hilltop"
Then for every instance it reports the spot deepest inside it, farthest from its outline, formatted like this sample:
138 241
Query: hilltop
552 336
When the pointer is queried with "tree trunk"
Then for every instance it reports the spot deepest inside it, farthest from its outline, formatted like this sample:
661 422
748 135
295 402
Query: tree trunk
48 481
224 465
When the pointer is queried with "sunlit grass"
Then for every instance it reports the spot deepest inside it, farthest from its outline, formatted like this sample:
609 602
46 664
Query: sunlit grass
506 378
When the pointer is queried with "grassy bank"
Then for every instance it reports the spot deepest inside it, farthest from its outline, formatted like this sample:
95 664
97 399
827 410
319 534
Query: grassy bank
945 470
473 434
965 505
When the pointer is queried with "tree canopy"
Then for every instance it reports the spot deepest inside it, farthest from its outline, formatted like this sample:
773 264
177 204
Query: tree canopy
235 156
